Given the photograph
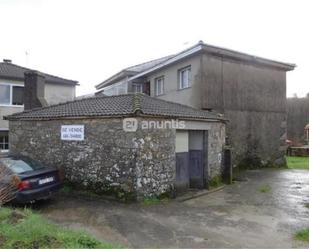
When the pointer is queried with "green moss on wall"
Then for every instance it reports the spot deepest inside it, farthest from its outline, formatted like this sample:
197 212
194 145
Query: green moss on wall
215 182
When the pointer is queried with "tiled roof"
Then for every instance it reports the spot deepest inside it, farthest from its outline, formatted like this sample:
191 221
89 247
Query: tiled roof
15 72
111 106
146 65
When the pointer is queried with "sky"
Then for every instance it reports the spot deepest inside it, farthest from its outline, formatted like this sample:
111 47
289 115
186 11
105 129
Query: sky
90 40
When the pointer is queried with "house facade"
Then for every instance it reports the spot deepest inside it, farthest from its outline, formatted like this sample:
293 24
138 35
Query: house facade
250 91
131 146
12 84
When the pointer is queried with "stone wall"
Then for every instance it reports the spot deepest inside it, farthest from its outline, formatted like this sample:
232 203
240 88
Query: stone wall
130 165
216 142
155 161
109 160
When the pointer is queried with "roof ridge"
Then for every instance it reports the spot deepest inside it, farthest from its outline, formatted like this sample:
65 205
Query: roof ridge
127 68
30 69
137 107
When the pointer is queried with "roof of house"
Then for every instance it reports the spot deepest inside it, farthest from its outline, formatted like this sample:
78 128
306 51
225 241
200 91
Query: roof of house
133 70
198 48
115 106
12 71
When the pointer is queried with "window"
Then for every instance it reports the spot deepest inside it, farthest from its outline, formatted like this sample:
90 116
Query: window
18 95
11 95
5 94
4 140
21 164
159 86
137 88
110 92
185 78
116 89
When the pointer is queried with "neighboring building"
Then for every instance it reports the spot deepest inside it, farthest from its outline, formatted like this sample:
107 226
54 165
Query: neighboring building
148 155
250 91
54 90
298 118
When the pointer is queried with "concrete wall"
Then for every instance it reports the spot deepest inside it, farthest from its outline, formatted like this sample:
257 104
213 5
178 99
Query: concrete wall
54 94
5 111
190 96
8 110
252 97
254 100
182 141
298 117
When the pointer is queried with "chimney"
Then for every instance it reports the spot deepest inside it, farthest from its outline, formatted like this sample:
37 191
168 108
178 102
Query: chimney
34 90
7 60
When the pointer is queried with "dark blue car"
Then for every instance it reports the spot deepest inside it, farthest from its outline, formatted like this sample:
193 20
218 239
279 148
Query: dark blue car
33 180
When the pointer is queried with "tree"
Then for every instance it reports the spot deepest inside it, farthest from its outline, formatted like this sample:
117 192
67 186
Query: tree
8 187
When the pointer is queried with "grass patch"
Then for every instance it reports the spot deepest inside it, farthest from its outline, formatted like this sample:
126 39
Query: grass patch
295 162
302 235
265 189
154 201
24 229
307 205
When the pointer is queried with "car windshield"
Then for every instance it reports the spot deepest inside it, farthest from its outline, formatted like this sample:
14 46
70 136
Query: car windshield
21 165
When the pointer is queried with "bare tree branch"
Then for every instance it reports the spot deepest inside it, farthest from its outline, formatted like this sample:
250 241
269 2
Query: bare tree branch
8 184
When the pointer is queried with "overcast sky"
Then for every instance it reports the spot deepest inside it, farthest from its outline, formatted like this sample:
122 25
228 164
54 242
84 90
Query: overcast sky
90 40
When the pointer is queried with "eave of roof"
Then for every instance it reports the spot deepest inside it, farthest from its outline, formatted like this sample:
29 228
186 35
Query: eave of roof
120 75
48 77
129 71
218 51
174 59
225 52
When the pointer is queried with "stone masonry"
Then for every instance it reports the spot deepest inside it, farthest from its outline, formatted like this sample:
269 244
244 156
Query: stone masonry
129 165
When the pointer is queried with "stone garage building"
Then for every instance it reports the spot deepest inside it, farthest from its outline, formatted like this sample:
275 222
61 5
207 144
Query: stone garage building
132 145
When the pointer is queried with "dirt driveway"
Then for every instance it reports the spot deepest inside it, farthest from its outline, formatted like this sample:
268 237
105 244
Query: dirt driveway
239 216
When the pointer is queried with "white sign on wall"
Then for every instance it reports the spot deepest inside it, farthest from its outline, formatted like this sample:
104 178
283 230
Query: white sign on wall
72 132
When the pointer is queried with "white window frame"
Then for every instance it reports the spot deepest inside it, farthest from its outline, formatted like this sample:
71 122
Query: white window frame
8 141
181 85
11 94
157 80
134 85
